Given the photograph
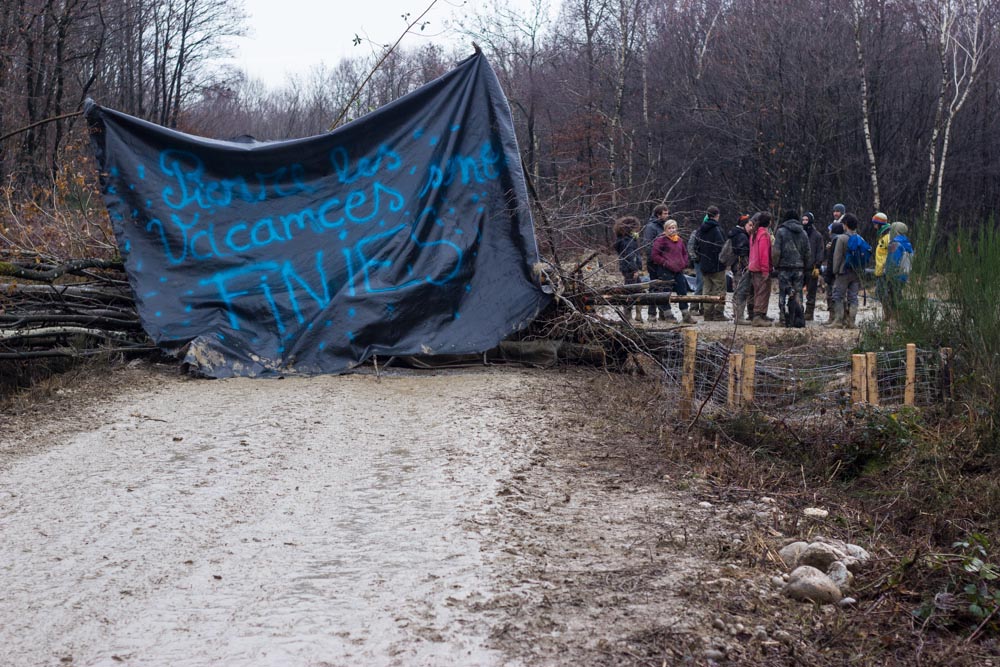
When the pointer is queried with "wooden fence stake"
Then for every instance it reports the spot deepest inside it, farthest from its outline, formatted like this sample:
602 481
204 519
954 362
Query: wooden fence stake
910 391
749 368
859 390
687 380
871 377
735 378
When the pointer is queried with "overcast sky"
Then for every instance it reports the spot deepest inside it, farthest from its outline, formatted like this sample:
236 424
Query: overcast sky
289 36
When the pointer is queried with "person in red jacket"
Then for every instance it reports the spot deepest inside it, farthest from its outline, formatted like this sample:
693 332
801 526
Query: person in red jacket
671 255
760 269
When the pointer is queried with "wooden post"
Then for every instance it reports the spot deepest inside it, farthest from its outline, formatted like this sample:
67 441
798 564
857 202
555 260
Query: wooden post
910 391
871 377
749 367
947 375
735 378
687 380
859 389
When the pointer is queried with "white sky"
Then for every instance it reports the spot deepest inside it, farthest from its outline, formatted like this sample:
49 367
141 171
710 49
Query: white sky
290 36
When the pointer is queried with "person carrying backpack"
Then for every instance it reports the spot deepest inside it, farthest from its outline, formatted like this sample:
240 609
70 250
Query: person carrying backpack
708 245
629 259
851 255
881 221
791 256
898 263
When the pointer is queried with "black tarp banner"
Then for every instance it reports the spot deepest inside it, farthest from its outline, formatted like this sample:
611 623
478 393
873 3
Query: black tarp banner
406 232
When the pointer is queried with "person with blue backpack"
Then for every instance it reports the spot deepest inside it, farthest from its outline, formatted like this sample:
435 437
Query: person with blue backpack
851 256
898 263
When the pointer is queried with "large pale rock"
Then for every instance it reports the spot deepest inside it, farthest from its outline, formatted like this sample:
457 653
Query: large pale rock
841 576
819 555
808 584
790 553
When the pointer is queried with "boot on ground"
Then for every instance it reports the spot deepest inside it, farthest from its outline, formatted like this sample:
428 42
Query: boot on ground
836 314
759 321
811 312
687 318
738 311
850 316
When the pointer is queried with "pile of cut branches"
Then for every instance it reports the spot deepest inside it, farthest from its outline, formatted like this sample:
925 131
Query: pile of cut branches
76 309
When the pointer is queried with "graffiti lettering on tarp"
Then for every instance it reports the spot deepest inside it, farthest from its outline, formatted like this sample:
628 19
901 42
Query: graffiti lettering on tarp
386 260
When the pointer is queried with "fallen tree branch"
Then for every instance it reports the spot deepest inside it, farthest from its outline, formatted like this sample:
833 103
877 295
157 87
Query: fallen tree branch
48 275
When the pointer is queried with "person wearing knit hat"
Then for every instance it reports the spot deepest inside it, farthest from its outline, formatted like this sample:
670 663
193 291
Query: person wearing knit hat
897 267
838 212
881 222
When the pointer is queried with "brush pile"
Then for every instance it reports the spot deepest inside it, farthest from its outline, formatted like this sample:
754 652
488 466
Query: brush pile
77 308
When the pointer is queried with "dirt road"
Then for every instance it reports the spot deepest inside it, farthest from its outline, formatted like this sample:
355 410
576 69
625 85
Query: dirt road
418 519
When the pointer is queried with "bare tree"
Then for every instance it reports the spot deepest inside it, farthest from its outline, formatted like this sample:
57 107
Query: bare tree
962 41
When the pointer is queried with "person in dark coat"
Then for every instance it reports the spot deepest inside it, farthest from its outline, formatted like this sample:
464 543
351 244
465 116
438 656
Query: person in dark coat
708 245
629 259
653 228
817 247
742 284
836 229
791 256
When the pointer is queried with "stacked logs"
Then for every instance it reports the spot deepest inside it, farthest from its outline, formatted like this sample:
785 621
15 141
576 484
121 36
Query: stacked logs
74 309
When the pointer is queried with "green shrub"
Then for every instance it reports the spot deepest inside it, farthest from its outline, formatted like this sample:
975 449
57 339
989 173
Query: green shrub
956 306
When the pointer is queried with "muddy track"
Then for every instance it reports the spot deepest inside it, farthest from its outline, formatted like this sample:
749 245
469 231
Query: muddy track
479 517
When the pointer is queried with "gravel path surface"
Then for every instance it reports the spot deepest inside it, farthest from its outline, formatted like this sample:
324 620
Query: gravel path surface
477 517
300 521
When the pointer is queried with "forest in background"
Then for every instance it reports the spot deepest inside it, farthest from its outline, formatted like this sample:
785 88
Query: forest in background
619 104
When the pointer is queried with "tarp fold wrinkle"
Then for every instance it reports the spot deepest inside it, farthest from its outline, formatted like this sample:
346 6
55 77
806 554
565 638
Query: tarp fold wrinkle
405 232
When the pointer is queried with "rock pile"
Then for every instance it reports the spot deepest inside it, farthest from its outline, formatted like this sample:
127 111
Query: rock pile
822 571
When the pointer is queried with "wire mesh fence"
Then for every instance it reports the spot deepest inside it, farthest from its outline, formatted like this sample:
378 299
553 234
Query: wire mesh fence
713 377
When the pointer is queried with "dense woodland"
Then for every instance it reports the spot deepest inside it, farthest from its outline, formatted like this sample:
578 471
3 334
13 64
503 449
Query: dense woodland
619 104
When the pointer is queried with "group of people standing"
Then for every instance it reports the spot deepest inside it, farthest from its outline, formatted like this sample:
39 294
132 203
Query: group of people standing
797 253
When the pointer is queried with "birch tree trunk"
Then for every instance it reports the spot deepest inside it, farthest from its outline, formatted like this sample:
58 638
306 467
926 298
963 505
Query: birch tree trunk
858 6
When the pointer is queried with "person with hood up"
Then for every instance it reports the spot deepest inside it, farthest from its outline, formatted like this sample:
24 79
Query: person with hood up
671 256
881 222
791 256
760 268
739 237
708 245
629 260
898 262
648 236
816 252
